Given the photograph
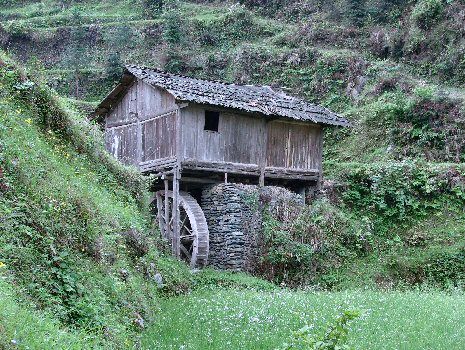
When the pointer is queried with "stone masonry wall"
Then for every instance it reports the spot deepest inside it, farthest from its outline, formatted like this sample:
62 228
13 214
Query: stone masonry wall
234 215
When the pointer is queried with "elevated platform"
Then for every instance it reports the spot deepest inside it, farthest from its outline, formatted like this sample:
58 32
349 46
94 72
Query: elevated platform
197 172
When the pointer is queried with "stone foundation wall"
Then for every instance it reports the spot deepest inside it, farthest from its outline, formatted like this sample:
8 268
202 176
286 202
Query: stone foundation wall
234 214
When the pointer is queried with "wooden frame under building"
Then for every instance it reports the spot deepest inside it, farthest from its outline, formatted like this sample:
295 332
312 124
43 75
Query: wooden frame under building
192 132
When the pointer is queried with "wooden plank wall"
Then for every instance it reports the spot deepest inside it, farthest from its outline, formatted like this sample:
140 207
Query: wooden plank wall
159 137
238 139
294 145
152 101
241 139
142 125
121 142
125 110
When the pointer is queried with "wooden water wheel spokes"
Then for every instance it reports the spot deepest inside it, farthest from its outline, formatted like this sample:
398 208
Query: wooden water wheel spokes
192 238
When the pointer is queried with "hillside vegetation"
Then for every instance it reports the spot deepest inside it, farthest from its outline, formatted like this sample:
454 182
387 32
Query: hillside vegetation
74 240
393 68
79 258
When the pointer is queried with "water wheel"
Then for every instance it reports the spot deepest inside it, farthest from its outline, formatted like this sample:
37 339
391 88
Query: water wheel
192 237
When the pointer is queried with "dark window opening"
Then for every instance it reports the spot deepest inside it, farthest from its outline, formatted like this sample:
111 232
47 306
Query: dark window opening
211 121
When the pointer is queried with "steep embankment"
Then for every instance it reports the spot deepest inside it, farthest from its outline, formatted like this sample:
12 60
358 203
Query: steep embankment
74 241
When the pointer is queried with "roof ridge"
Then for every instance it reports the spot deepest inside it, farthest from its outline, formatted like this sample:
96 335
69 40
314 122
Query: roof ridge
161 71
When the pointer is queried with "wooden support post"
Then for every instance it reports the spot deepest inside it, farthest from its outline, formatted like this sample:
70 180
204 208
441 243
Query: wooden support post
264 146
167 214
320 166
176 215
302 191
261 180
161 219
225 178
176 178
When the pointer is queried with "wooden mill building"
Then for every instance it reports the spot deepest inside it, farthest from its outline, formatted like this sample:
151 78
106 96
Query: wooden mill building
191 132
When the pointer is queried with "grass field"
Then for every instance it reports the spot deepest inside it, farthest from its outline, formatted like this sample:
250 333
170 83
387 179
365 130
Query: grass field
228 319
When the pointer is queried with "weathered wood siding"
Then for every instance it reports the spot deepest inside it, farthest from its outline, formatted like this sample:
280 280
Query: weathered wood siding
247 140
121 142
142 130
293 145
238 140
142 125
159 137
125 110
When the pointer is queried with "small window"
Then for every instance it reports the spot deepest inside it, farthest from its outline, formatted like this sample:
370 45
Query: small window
211 121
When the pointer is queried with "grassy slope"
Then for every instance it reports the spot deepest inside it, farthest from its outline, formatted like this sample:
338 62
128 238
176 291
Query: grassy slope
65 206
23 327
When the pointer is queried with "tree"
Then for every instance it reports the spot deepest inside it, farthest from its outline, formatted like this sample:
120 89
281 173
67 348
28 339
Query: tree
76 51
114 67
172 24
356 11
152 8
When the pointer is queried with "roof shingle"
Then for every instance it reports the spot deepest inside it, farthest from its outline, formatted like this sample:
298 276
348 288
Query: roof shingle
248 98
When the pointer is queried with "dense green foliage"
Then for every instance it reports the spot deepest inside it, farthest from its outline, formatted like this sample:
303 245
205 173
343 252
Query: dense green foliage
333 338
311 242
21 326
72 235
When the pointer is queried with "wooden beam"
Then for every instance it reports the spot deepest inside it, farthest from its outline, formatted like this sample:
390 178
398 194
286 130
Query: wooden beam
176 215
221 167
158 165
200 180
263 150
252 170
167 214
161 219
164 113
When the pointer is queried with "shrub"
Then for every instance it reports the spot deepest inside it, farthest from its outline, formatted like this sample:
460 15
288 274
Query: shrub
436 267
356 12
427 12
152 8
429 127
177 279
399 193
321 236
172 27
446 268
114 67
333 338
379 43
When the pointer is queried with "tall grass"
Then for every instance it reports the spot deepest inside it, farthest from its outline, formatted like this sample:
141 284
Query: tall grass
22 327
232 319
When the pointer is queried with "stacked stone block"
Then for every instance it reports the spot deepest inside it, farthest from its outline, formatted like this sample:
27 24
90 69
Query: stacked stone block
234 214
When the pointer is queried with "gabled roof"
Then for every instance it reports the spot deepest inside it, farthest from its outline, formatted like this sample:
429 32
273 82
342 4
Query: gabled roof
247 98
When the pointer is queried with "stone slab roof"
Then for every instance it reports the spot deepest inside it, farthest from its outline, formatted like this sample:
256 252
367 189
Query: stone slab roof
248 98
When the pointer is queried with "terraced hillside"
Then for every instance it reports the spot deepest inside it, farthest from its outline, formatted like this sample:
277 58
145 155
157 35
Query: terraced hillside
395 68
